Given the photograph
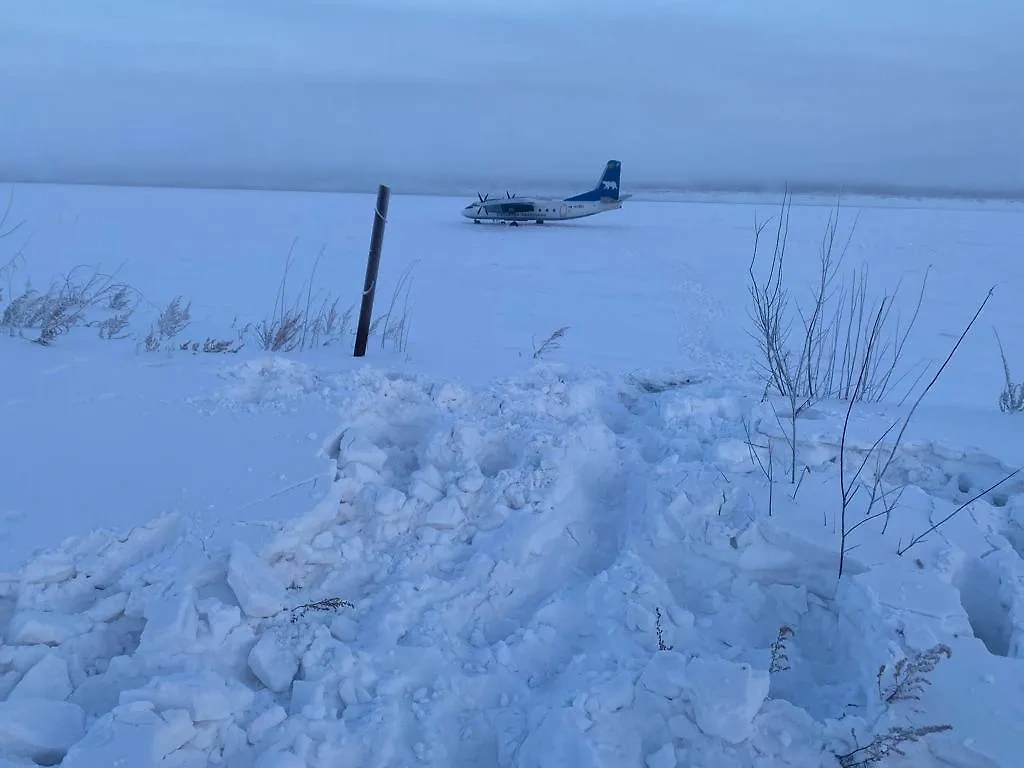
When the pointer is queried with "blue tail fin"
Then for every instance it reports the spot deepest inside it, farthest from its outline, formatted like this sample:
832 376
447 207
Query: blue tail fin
607 186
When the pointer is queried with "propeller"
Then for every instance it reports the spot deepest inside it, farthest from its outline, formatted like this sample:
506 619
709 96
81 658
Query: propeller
509 195
483 198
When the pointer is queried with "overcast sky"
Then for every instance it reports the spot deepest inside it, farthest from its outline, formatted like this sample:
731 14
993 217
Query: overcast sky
466 93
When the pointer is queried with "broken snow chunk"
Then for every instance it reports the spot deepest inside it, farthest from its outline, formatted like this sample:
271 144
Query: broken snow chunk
48 679
352 548
206 696
45 627
39 729
683 729
176 733
323 540
362 451
273 662
109 608
726 696
734 455
50 568
888 592
279 758
260 594
382 500
445 514
389 502
639 618
308 699
665 674
450 395
346 489
558 741
21 657
422 490
427 484
99 693
172 623
361 474
430 476
663 758
131 735
265 723
344 628
7 682
612 695
472 481
221 619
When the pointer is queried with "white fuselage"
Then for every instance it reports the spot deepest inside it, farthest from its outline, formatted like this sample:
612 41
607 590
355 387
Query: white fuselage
523 209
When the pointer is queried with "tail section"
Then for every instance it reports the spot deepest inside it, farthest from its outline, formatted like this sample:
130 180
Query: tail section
607 186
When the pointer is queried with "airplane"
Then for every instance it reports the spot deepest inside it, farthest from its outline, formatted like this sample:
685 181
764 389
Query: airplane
513 209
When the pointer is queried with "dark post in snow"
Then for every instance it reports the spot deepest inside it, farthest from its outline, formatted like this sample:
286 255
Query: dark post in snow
380 216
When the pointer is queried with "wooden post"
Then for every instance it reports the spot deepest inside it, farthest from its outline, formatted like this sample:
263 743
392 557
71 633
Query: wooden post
380 216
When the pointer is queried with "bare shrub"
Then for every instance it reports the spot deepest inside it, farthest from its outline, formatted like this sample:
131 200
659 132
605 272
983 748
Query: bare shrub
767 466
1011 399
831 348
849 345
875 494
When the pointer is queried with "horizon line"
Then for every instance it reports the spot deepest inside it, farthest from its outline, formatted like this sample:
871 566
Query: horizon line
460 187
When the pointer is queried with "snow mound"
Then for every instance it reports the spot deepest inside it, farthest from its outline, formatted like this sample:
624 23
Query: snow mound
270 382
557 570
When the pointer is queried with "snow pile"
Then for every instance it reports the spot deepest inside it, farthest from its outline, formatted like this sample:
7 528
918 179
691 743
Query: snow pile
267 382
559 570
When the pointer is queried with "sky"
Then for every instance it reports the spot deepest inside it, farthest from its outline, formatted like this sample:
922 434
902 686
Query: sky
460 94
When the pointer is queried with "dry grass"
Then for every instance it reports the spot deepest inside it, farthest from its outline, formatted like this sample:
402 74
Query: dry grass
93 300
312 318
1011 399
551 343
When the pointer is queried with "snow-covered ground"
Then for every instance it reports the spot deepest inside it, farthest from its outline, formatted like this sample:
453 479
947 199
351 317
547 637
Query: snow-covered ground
455 552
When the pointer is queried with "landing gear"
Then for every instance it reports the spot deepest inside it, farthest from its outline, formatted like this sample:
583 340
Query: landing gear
540 221
476 221
513 223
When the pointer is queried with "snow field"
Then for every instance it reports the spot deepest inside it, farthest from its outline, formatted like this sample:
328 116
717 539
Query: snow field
505 563
498 566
